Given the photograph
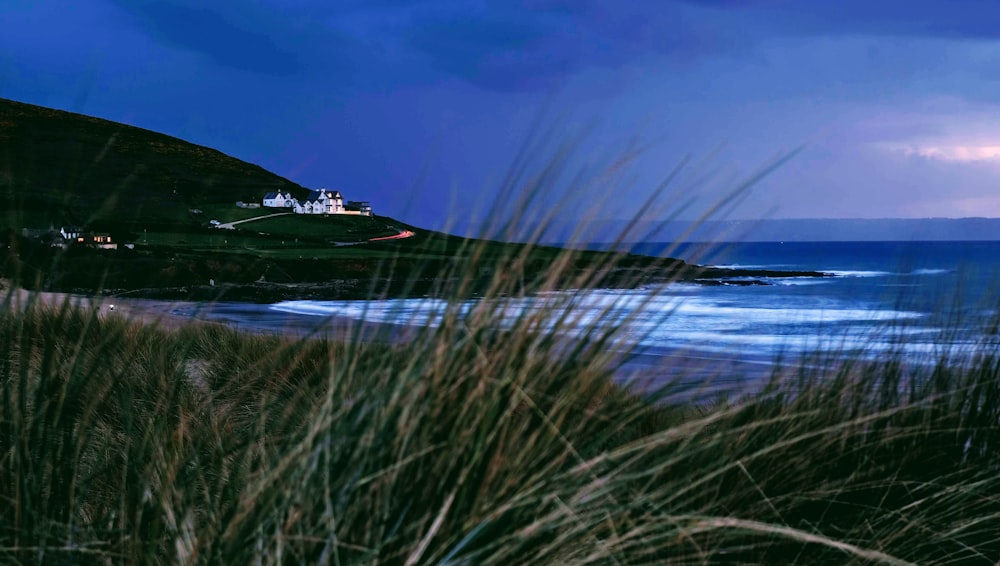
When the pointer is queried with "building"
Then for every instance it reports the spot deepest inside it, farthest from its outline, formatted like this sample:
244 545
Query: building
72 233
361 207
101 240
321 201
68 236
279 199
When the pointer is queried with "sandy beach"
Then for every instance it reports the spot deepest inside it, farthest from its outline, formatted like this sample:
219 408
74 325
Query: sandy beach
248 317
160 313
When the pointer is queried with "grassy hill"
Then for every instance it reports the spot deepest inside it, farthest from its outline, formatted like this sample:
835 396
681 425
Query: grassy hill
63 167
60 168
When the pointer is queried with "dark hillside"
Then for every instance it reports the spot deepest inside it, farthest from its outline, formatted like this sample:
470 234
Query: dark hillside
60 167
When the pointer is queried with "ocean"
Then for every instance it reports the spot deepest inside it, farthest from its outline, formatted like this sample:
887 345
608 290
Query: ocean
917 300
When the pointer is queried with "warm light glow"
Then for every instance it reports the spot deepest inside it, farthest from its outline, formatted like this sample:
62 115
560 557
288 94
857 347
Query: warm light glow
959 153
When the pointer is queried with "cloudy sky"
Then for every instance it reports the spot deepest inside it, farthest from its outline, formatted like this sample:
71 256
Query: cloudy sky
427 107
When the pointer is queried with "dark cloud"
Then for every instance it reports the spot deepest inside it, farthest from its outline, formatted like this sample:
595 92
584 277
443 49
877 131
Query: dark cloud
214 34
537 43
974 19
476 37
501 54
497 45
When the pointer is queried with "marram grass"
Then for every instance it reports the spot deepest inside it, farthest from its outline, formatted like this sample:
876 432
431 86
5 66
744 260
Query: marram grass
471 444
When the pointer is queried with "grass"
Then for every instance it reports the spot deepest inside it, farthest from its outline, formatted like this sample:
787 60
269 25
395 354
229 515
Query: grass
342 228
471 444
227 212
287 237
81 170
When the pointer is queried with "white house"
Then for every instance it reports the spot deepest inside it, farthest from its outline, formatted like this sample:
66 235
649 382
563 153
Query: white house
321 201
303 207
78 236
336 202
279 200
71 233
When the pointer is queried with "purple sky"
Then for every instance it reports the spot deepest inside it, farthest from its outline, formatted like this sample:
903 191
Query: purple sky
422 107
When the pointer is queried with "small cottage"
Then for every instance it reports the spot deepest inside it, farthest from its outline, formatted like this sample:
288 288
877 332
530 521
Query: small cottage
71 233
361 207
101 240
279 199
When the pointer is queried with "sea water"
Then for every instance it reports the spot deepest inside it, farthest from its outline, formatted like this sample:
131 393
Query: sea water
920 300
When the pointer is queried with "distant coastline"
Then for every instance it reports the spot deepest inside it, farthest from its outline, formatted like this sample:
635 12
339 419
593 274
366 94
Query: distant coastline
797 230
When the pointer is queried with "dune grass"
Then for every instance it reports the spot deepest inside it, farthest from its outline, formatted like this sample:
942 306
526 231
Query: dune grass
125 443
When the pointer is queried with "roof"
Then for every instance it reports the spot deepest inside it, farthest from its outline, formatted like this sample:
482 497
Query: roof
270 196
329 193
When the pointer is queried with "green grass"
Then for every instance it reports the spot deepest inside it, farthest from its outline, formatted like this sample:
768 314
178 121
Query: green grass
277 237
206 239
341 228
229 212
79 169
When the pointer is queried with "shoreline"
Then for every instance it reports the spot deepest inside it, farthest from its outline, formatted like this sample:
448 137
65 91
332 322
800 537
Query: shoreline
689 373
146 311
255 318
361 288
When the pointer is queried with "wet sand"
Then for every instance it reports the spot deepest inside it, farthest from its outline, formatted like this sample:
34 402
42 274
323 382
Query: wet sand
262 319
248 317
142 310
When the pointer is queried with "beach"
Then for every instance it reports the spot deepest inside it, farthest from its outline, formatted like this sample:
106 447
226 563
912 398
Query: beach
246 317
689 372
159 313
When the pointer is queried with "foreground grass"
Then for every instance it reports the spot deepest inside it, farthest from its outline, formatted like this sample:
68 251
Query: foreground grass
131 444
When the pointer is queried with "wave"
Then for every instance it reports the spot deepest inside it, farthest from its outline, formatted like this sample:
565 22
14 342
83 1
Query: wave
752 266
841 272
641 315
798 281
858 273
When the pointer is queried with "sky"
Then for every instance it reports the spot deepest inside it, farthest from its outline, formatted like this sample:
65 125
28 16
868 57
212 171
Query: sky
445 112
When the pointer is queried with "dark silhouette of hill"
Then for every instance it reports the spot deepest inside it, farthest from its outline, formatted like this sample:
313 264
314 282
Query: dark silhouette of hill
62 167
